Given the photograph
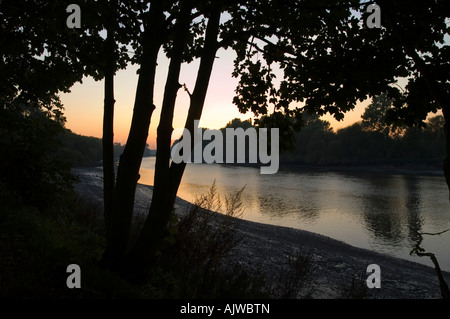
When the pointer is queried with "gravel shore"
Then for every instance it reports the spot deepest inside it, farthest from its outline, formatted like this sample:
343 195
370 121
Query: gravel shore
269 248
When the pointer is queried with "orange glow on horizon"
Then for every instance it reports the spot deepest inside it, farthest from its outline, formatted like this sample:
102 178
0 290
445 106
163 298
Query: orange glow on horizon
84 104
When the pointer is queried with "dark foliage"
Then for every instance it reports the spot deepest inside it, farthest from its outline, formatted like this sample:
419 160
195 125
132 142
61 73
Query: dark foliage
29 164
317 144
83 151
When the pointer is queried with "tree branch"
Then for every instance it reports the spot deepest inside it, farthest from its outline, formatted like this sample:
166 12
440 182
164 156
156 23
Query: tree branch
187 90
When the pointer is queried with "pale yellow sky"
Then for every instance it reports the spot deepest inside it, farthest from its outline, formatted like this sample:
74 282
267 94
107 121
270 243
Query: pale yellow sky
84 104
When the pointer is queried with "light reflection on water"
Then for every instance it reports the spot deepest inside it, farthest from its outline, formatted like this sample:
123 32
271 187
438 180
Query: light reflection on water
380 212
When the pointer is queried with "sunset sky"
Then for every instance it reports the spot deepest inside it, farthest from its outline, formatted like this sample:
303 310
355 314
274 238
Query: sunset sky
84 104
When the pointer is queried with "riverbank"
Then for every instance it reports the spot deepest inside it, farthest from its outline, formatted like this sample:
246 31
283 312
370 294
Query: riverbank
268 249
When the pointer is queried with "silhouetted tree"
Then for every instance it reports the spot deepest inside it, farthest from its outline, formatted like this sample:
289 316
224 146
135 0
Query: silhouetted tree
237 122
329 67
375 117
30 165
417 30
35 66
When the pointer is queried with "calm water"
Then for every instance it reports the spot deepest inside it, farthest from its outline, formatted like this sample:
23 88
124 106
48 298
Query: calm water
380 212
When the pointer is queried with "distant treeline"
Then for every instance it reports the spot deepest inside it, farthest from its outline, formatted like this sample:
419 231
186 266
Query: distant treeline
317 144
82 150
357 145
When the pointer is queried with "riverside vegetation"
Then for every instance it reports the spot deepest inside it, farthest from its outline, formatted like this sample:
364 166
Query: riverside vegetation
191 263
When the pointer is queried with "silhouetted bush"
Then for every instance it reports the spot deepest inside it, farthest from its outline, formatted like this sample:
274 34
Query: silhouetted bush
30 164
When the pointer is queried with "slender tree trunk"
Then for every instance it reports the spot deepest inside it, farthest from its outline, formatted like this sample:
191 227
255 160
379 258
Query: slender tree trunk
108 149
164 131
130 160
446 163
198 96
197 99
108 129
154 231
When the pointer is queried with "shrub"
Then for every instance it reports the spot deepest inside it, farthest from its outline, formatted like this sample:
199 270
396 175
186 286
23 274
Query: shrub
296 281
29 165
199 242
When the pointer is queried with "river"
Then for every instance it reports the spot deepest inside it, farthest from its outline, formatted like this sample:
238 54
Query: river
381 212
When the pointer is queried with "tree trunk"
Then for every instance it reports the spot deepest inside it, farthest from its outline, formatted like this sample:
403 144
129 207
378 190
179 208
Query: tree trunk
108 130
154 231
130 160
198 96
446 163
